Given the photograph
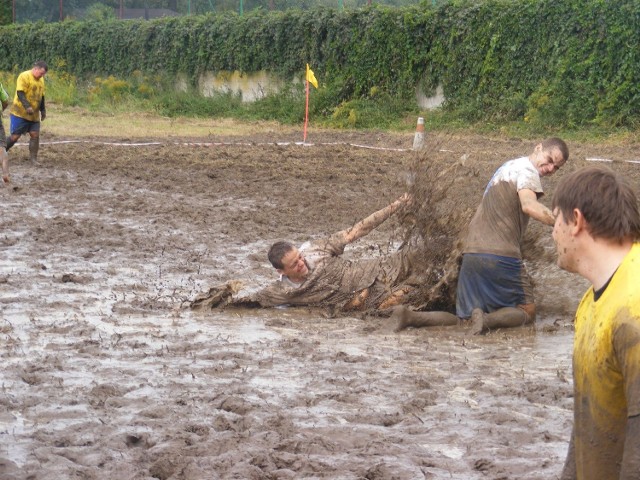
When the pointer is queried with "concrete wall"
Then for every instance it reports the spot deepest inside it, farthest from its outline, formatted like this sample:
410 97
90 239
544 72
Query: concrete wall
257 85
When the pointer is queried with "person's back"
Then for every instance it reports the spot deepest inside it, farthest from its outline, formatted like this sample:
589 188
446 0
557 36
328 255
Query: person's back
499 223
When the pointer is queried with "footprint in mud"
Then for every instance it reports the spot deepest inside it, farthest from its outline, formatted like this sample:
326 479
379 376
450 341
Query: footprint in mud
201 430
483 464
100 393
139 440
235 405
73 278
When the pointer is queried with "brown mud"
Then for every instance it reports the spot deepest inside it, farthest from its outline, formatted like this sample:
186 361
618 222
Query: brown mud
106 374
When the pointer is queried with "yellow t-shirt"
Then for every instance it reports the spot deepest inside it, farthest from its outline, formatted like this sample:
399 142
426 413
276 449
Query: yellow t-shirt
34 91
606 371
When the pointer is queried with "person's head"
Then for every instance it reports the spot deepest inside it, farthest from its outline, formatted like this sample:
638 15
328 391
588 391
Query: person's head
39 69
549 155
598 202
288 261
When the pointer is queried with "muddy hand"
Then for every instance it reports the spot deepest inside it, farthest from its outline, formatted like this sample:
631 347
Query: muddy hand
406 199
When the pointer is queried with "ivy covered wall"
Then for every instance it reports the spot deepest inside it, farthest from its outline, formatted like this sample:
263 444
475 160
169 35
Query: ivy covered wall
571 62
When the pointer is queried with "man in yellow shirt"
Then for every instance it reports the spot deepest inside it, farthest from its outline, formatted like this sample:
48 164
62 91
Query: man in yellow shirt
28 108
597 229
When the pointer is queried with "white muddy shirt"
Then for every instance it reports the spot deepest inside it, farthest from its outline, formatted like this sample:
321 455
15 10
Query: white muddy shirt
499 223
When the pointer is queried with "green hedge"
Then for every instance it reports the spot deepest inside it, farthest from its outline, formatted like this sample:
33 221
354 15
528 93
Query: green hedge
556 63
6 13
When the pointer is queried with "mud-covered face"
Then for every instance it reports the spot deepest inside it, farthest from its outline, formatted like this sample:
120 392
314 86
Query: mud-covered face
548 161
38 72
294 266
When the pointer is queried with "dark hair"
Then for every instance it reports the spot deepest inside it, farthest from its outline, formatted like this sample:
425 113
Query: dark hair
41 64
605 198
555 142
277 251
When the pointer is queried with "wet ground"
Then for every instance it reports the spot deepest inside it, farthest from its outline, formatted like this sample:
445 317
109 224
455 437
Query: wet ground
106 374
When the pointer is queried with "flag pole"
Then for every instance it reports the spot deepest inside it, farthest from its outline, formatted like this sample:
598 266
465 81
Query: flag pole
306 111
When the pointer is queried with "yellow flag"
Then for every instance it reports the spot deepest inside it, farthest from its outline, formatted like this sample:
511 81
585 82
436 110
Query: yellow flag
311 78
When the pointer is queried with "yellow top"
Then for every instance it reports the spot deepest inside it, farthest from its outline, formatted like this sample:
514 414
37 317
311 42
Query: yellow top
606 371
34 91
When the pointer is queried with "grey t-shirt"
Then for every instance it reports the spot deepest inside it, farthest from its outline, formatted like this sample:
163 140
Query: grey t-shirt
499 223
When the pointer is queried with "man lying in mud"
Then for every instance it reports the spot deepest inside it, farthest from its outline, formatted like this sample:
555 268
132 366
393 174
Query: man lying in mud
316 274
494 289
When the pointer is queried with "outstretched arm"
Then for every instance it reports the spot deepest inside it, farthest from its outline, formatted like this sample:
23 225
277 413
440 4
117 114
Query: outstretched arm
532 207
363 227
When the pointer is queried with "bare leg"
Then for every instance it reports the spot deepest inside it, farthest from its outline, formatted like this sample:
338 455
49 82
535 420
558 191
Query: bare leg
357 302
405 318
34 146
5 165
506 317
395 298
11 141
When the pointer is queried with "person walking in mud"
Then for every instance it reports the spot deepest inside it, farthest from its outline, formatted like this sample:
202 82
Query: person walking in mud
4 157
494 289
316 274
597 235
28 108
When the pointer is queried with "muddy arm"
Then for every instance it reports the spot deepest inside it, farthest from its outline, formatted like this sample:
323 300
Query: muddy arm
23 99
217 296
569 470
627 347
631 456
532 207
365 226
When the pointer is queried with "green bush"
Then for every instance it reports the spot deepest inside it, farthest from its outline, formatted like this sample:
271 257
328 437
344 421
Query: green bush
552 64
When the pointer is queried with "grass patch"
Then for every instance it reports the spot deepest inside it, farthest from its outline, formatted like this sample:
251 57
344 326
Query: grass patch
132 105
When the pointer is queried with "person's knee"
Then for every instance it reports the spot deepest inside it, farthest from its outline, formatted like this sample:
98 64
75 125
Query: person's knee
530 310
11 140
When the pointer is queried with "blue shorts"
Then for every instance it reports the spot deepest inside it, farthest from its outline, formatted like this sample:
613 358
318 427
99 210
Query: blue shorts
20 126
491 282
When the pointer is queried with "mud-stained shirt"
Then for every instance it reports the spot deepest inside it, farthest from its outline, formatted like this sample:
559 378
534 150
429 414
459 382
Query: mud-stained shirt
606 371
33 89
334 280
499 223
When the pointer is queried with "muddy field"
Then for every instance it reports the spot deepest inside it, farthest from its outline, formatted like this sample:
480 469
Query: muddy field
107 375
